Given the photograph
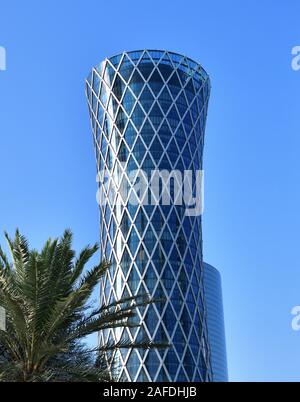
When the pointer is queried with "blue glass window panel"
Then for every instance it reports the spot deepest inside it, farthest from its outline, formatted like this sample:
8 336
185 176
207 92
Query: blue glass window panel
173 150
133 364
156 115
182 280
157 221
185 320
165 70
156 150
187 122
142 376
188 260
139 150
189 364
165 164
151 319
109 74
131 167
146 99
103 95
126 68
147 132
155 82
136 83
121 120
148 165
100 114
162 376
164 134
116 59
194 111
179 340
158 258
161 336
165 100
187 226
168 277
206 89
201 100
174 85
141 259
160 298
180 135
152 363
135 56
176 295
173 118
103 146
189 90
138 117
125 225
107 126
123 152
169 319
146 68
174 257
166 235
150 277
115 139
110 158
132 209
172 359
193 140
96 83
181 104
112 106
149 239
94 103
133 280
107 250
128 101
130 135
183 76
140 222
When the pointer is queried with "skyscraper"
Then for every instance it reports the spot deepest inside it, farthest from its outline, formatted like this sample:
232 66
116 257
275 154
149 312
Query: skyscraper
215 322
148 112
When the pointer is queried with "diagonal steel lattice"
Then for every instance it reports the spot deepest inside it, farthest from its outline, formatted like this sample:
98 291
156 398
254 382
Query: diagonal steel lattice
148 111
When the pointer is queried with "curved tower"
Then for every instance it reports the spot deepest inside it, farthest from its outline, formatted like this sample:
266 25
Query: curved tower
215 323
148 112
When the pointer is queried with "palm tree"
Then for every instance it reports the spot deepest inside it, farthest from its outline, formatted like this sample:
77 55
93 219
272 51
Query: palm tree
46 296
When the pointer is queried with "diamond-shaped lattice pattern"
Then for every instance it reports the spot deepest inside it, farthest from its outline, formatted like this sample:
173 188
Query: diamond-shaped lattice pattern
148 110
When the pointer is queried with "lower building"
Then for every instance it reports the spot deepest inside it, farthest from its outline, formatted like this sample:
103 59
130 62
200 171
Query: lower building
215 323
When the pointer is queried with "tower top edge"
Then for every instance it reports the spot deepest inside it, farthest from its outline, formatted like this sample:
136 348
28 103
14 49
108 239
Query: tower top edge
156 55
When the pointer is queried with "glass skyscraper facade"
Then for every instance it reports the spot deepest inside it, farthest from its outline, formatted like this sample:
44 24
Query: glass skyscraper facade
148 111
215 323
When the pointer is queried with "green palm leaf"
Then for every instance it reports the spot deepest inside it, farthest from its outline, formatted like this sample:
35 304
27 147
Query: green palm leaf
47 296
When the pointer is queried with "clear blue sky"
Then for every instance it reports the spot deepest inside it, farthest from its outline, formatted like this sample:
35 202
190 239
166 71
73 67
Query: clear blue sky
251 221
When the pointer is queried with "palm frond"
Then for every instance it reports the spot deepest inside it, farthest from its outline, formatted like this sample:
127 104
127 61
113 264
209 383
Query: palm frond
47 297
